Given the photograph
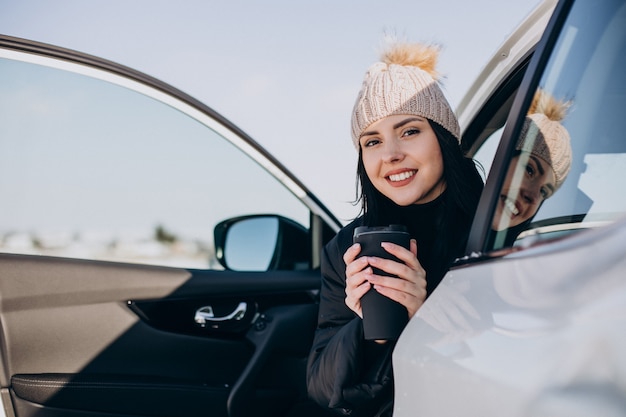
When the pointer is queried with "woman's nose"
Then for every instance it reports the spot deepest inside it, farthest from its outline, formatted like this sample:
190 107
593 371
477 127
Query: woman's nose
393 152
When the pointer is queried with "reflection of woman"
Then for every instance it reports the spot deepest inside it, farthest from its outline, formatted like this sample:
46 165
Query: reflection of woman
411 172
538 168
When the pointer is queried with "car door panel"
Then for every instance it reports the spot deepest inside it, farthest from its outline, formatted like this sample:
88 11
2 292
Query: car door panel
102 337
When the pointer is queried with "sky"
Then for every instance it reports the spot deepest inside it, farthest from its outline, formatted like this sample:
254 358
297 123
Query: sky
285 72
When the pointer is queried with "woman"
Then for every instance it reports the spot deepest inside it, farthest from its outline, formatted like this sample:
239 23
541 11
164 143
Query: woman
411 171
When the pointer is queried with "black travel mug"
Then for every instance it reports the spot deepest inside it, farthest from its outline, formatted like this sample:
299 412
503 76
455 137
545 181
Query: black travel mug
383 318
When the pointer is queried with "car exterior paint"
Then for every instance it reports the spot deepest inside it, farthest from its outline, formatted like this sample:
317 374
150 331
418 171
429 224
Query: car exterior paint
531 334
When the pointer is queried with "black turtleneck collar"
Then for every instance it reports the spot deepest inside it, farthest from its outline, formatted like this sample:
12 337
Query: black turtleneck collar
420 219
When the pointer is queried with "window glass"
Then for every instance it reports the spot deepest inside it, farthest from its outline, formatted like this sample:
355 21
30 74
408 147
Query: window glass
569 165
91 169
485 154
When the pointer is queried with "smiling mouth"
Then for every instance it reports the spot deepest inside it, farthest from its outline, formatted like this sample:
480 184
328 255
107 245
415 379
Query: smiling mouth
401 176
509 205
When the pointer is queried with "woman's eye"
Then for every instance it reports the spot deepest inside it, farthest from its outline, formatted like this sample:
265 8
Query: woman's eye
371 142
410 132
544 193
530 170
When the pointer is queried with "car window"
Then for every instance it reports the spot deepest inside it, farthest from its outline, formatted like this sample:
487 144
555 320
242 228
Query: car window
577 132
98 170
485 154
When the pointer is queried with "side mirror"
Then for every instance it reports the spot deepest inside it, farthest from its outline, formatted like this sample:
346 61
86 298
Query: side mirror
262 242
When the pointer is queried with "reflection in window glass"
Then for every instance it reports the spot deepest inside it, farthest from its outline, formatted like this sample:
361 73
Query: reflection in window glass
93 170
567 172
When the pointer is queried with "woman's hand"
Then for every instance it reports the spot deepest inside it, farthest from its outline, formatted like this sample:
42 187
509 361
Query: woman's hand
357 274
408 287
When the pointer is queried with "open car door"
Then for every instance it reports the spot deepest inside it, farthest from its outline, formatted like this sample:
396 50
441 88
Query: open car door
154 260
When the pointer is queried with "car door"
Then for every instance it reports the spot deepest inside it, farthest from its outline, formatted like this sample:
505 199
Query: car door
530 322
154 259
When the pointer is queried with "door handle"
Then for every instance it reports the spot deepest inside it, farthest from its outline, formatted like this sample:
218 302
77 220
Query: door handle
205 314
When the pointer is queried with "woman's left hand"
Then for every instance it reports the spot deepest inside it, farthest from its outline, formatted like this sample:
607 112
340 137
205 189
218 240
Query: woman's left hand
408 287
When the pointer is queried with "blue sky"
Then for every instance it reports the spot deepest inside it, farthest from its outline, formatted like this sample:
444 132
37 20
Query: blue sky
286 72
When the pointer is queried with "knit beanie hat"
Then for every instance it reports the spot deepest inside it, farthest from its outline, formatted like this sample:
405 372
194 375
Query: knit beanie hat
544 136
403 82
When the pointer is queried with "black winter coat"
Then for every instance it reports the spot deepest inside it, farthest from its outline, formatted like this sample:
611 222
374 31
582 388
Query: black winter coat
345 372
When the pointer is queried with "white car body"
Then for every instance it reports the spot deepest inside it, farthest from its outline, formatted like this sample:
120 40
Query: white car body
527 335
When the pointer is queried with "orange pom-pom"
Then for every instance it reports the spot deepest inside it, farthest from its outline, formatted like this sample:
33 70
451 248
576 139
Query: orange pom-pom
414 55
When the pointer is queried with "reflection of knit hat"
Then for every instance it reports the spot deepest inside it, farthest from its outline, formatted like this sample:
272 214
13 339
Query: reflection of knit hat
405 82
545 137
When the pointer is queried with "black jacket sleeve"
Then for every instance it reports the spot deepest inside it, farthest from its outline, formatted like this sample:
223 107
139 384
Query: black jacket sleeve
345 372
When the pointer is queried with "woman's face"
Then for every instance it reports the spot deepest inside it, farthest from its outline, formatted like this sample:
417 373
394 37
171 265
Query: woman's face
529 181
402 159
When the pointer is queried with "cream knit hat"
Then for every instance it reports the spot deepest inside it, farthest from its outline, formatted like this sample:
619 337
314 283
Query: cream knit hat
404 82
544 136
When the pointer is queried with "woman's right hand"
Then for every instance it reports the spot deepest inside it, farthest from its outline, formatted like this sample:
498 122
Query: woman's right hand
357 272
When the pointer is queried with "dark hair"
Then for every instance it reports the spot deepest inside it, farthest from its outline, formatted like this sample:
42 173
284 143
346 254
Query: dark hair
463 188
